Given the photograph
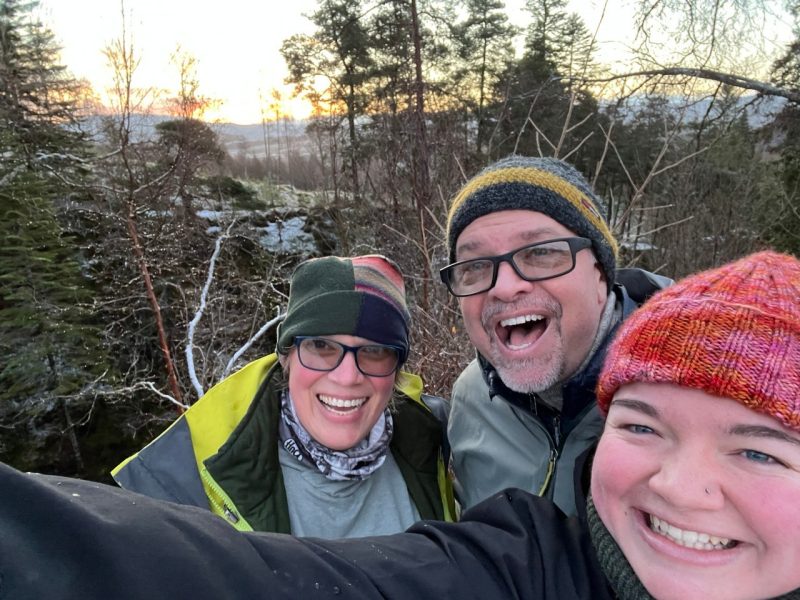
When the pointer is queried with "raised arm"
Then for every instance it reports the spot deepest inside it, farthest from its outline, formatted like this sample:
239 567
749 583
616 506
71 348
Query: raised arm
66 538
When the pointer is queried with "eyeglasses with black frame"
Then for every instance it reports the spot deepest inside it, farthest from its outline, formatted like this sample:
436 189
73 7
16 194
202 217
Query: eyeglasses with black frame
322 354
534 262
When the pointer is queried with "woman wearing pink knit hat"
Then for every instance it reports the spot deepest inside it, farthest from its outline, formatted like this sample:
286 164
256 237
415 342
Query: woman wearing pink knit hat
694 492
697 475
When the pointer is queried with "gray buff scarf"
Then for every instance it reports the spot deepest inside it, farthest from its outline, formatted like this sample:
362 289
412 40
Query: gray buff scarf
618 570
354 463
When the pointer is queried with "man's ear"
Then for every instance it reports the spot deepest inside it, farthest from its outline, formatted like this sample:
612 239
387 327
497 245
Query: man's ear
602 284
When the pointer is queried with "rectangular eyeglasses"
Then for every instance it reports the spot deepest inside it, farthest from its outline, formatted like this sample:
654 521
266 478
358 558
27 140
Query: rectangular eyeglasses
322 354
534 262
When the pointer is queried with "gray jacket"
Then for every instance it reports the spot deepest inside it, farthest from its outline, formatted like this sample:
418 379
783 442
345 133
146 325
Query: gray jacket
500 439
496 444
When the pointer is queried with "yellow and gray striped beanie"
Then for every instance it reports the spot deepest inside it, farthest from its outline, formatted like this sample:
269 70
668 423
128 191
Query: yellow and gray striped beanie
546 185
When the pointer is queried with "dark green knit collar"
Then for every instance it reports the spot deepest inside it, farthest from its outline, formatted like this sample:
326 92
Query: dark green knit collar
616 567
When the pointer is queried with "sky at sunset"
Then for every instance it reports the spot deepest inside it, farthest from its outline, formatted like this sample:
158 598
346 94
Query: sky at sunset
236 43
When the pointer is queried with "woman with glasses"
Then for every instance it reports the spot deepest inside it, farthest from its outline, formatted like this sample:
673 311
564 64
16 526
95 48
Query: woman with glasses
327 437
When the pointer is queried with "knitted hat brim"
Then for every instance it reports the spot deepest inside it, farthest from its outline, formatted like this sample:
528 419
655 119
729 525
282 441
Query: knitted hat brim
689 342
537 185
346 312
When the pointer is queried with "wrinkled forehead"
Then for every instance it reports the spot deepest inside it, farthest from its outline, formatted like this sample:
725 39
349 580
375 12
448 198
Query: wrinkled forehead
508 229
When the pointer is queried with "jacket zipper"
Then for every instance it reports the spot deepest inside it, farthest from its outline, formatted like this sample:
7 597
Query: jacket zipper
555 450
557 431
229 514
555 445
225 507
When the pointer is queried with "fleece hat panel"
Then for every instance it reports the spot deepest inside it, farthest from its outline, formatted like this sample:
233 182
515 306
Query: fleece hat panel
546 185
362 296
732 332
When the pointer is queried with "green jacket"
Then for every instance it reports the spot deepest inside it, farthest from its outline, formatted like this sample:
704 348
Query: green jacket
222 453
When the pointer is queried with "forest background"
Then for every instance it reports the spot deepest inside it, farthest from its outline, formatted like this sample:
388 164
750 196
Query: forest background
142 259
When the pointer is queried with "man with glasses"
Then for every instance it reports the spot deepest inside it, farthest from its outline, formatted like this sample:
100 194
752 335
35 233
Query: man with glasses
533 265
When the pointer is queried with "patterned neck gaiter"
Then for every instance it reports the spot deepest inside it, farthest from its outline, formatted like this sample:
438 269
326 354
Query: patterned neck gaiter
355 463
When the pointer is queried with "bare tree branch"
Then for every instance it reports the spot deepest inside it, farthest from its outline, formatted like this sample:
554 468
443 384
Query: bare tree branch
152 387
198 388
731 79
266 327
93 388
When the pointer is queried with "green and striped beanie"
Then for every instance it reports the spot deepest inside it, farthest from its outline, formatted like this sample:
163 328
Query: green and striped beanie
363 296
546 185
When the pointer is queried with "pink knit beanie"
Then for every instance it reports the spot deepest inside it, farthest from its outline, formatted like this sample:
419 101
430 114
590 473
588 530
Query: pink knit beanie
732 332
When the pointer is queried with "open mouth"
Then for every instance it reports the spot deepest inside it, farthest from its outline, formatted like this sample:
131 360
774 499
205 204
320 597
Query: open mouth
520 332
341 405
689 539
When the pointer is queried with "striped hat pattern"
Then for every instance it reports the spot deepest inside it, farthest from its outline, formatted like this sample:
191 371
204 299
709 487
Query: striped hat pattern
362 296
732 332
546 185
376 274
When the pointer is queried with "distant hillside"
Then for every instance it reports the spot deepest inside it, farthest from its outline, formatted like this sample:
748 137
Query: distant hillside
279 139
759 111
256 140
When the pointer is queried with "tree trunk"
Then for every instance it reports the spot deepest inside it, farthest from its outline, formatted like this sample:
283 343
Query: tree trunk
154 305
420 174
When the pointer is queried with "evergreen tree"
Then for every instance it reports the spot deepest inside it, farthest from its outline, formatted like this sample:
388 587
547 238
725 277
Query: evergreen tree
49 347
47 341
785 233
339 53
37 97
544 42
410 86
187 146
575 57
711 207
484 41
541 104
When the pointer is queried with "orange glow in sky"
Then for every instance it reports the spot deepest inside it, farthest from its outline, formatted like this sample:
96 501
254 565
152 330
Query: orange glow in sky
236 44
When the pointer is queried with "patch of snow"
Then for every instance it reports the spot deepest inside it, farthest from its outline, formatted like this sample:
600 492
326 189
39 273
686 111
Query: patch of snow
210 215
638 246
288 237
158 213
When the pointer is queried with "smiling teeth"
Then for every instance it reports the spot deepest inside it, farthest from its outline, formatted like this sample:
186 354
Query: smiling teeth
341 403
520 320
690 539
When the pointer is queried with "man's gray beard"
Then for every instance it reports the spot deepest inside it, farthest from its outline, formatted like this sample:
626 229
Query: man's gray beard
538 375
529 375
526 376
